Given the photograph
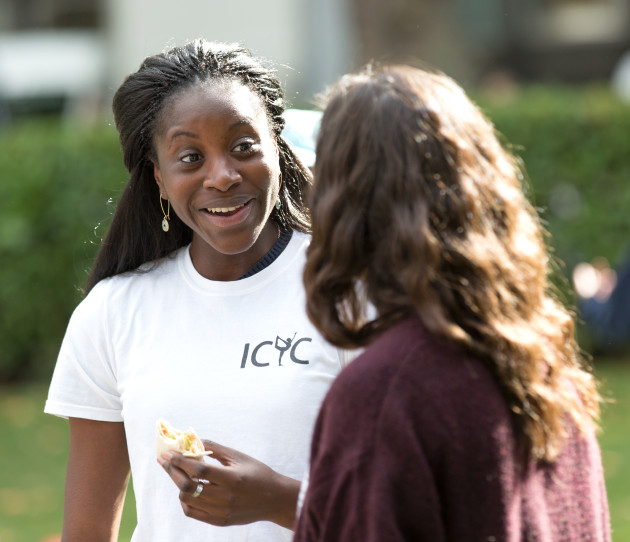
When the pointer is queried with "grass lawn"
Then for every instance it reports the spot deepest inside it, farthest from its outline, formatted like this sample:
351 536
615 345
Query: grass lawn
614 439
33 449
34 446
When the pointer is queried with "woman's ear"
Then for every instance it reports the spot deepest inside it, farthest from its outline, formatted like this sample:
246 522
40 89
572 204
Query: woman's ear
158 179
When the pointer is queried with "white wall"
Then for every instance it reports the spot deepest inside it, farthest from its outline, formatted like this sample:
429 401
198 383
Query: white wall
307 40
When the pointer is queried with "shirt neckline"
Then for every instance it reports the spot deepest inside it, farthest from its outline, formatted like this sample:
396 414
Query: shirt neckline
271 256
294 248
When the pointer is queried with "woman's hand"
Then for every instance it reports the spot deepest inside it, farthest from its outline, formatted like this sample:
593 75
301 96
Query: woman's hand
240 489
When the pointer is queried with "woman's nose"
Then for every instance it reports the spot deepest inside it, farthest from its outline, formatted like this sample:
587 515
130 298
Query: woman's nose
221 176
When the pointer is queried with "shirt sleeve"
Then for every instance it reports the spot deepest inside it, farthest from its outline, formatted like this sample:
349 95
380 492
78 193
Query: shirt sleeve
84 381
346 356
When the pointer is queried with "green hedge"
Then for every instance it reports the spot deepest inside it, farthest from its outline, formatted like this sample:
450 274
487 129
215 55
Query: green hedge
57 180
574 144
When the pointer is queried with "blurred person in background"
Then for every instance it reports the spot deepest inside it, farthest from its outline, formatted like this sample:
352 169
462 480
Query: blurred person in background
470 415
199 275
604 303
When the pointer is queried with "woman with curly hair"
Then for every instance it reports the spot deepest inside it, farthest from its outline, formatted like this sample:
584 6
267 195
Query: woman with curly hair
470 415
194 312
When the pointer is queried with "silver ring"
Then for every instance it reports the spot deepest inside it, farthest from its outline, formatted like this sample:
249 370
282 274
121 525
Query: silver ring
198 490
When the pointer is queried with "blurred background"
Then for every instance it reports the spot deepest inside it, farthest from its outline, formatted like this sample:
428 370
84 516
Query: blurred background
553 75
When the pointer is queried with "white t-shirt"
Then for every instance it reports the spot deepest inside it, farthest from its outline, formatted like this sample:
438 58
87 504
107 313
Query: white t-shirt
238 361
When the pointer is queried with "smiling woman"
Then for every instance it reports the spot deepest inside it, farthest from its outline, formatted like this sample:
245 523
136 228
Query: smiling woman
195 296
217 164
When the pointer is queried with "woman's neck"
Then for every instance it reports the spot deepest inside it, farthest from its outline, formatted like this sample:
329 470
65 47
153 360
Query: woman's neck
215 265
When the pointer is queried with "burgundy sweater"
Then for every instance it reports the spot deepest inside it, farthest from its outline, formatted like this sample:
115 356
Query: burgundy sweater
414 442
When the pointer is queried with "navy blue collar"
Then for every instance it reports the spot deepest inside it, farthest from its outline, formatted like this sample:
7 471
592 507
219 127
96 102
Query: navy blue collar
275 251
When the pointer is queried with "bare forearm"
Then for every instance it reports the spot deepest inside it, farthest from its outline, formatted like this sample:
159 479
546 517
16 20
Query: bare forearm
87 516
96 481
286 499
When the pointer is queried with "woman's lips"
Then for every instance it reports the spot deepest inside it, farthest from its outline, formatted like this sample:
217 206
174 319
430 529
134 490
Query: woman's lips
228 216
225 211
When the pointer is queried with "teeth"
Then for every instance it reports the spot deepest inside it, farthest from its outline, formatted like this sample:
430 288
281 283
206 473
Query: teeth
224 209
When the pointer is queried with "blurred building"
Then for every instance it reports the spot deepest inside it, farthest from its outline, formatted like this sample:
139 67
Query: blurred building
564 41
70 55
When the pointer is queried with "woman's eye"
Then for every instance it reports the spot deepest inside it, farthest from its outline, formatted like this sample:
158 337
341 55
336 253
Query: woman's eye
191 158
245 146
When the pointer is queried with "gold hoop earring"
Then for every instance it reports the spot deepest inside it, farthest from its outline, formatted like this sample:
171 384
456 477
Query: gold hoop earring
167 216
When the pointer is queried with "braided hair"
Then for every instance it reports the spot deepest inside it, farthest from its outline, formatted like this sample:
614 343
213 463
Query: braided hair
134 236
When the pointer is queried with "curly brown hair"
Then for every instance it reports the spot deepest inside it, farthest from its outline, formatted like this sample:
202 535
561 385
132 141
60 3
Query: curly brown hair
419 209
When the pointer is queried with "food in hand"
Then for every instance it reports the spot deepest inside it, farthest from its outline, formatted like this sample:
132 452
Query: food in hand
184 442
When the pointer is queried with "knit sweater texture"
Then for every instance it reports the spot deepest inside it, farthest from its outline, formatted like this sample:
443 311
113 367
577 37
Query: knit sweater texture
415 442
